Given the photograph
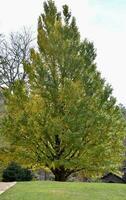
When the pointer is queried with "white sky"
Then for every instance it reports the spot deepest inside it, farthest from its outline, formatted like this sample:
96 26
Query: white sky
101 21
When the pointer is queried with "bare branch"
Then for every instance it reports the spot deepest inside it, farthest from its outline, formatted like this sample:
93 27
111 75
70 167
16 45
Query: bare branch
12 54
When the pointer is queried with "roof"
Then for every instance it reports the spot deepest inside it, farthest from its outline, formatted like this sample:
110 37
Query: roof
112 177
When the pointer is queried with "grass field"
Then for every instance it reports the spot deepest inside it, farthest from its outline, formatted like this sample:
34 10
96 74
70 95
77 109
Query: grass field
65 191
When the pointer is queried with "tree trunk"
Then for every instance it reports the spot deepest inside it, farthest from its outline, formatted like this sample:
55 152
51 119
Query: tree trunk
60 174
60 177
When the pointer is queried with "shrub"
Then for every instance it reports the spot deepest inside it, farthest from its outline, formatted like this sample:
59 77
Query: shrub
26 175
14 172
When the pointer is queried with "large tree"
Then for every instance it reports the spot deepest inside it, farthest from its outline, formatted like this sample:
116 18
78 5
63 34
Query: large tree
65 116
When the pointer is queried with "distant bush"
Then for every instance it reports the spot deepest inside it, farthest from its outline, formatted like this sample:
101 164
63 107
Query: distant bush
14 172
26 175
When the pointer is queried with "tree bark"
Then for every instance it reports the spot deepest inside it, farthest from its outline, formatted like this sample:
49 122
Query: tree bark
60 174
60 177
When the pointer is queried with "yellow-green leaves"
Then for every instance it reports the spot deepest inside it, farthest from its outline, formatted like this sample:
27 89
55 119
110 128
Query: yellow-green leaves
64 116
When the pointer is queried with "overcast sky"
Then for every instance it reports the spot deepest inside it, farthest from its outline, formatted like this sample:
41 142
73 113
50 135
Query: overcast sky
101 21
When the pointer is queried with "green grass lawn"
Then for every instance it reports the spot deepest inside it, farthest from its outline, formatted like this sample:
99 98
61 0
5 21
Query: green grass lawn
65 191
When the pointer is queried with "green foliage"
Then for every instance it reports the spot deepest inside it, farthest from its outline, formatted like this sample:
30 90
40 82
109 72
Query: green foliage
123 110
64 116
15 172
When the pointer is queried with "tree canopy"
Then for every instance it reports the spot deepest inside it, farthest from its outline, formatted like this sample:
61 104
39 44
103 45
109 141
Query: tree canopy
64 117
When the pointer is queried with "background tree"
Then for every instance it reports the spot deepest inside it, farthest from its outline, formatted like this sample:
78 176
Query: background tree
123 167
13 52
65 117
123 110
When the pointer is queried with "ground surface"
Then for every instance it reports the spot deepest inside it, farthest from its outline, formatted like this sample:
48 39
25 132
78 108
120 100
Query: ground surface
65 191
